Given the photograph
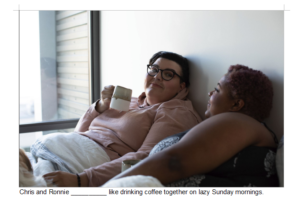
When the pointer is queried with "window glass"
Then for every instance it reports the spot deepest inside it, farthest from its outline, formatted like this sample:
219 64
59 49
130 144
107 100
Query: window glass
54 65
27 139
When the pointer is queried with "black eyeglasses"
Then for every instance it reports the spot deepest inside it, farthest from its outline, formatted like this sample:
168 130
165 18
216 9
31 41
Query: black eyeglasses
166 74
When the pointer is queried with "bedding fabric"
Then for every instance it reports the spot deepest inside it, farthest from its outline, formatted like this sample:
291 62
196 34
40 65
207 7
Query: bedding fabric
134 181
69 152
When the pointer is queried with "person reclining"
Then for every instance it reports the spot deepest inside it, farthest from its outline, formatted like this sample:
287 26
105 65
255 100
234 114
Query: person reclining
162 110
232 147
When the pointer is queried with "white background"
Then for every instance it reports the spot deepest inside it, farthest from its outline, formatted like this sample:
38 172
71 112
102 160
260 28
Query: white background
9 99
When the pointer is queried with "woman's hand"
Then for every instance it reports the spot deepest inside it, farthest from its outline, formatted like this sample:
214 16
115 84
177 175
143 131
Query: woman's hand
62 179
106 95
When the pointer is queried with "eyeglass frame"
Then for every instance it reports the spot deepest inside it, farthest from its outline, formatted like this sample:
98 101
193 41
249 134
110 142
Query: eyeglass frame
162 70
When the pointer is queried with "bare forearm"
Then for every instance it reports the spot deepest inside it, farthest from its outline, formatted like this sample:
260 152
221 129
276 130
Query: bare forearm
163 166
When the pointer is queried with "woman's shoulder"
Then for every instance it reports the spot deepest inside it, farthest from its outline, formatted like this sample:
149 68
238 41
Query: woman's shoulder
234 121
241 125
234 117
228 123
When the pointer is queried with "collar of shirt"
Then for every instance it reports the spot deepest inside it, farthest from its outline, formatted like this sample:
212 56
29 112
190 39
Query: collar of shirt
182 95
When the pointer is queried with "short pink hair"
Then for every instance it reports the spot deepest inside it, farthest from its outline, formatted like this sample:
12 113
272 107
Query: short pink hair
254 88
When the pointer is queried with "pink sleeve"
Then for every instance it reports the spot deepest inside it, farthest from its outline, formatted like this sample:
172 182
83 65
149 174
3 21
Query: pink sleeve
167 122
86 119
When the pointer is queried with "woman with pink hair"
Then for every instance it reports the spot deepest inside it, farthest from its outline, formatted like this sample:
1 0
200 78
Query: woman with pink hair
232 147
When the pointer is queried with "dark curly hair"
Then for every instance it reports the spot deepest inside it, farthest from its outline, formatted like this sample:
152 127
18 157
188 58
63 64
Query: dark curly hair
180 60
254 88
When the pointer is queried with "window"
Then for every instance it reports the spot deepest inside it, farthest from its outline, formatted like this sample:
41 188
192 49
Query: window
59 75
27 139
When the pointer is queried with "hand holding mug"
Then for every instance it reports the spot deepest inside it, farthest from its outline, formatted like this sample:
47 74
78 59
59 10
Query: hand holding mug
106 95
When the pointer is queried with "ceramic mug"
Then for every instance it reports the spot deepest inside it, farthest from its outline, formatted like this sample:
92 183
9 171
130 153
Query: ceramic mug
121 98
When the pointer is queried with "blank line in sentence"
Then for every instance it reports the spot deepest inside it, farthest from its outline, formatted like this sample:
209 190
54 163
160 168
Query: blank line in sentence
88 195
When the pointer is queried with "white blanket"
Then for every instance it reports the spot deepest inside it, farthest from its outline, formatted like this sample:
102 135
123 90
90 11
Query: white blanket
134 181
75 151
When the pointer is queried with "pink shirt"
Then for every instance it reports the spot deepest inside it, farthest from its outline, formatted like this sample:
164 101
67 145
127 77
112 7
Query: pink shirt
132 134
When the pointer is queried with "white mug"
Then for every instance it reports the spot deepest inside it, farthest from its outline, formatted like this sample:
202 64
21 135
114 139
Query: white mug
121 98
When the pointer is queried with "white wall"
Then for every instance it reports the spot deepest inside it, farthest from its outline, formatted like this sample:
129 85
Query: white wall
211 40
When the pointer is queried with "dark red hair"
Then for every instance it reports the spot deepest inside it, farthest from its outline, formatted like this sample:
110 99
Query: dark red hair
254 88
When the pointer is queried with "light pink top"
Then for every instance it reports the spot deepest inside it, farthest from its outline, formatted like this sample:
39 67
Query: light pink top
132 134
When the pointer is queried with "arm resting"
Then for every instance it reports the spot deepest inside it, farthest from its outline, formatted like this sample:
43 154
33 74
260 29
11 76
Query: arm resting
202 149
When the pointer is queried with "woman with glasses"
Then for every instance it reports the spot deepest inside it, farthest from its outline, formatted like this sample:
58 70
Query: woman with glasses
233 147
160 111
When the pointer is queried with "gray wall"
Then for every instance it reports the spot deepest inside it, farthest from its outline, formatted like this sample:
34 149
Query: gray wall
211 40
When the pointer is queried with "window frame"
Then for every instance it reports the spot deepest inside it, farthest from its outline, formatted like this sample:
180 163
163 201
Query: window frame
94 56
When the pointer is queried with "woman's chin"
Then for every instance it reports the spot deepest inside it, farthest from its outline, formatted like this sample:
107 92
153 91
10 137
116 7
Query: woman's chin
206 114
153 97
152 92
